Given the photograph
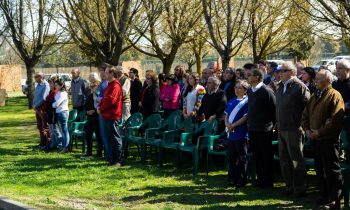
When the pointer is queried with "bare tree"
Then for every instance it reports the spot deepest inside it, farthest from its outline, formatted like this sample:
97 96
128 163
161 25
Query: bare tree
170 23
30 25
101 28
228 26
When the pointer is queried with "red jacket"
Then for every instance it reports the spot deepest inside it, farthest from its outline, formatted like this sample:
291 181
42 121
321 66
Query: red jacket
111 106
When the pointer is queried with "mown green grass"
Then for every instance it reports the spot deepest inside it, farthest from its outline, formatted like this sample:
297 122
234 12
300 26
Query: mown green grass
55 181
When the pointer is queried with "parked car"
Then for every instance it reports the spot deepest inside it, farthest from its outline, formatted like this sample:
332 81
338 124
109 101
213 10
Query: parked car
329 63
339 57
66 77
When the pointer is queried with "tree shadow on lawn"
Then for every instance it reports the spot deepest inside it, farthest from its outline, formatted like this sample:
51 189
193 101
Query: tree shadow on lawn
210 194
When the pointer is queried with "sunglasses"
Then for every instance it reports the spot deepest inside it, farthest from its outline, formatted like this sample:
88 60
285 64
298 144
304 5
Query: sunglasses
284 70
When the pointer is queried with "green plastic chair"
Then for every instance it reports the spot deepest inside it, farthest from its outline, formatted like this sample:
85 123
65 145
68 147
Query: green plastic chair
170 139
154 135
152 121
211 151
134 121
186 144
72 116
78 132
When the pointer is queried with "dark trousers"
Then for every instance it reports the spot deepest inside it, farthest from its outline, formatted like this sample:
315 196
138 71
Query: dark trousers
237 152
92 125
327 168
293 169
114 139
79 109
260 143
43 127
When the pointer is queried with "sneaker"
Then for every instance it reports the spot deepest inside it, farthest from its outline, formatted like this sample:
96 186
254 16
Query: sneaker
332 205
117 164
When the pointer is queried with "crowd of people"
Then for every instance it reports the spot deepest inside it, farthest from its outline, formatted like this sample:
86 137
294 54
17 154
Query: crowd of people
253 105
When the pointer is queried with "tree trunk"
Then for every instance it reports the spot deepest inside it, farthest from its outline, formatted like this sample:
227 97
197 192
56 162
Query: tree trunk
30 83
199 63
167 63
225 60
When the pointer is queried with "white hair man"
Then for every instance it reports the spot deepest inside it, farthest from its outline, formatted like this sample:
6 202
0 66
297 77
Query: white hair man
322 121
40 93
291 98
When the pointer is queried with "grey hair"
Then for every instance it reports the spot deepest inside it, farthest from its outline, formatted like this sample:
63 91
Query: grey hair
290 66
120 68
329 76
243 83
39 74
345 63
95 76
215 80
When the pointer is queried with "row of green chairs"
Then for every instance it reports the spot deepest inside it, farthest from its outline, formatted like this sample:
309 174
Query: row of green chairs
164 135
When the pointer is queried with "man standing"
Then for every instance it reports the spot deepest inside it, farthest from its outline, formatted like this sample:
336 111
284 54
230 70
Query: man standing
125 83
291 98
213 104
261 120
135 90
207 72
322 122
342 85
78 90
300 67
111 110
41 91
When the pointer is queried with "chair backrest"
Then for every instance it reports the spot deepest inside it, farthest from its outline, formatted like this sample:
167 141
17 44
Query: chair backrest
173 121
188 126
209 128
82 116
134 120
153 121
72 115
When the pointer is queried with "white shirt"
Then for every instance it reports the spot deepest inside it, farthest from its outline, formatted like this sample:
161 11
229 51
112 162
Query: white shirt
285 84
191 99
61 102
257 87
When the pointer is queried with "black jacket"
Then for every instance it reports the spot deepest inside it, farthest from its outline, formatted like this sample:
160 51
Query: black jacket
150 102
230 90
89 105
135 93
213 104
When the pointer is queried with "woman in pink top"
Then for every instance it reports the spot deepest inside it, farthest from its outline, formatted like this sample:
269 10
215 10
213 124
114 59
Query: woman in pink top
169 95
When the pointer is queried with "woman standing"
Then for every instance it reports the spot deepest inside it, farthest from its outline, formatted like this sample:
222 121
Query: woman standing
61 106
308 77
237 131
92 125
169 95
150 96
193 96
51 116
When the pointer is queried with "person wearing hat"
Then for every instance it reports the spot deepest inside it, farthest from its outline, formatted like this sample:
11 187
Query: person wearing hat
169 95
308 76
135 90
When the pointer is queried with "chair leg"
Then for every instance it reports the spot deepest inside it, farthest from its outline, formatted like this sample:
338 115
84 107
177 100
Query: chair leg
207 164
195 162
160 156
143 153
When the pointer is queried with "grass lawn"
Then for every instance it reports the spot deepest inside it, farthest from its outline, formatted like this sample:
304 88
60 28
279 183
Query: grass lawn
64 181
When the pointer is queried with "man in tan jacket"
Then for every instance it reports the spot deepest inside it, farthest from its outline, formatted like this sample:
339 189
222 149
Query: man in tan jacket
322 122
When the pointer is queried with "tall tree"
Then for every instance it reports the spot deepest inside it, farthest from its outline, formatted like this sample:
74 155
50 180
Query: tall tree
335 13
101 28
228 26
170 23
30 25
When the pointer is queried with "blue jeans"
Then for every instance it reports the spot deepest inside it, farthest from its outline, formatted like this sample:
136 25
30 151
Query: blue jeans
104 139
55 135
63 121
114 139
